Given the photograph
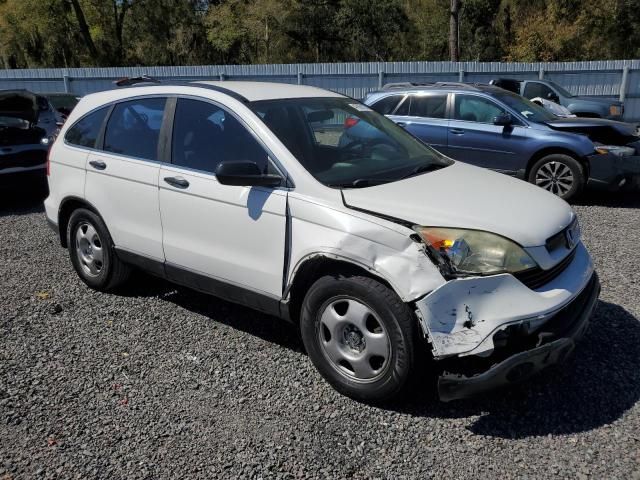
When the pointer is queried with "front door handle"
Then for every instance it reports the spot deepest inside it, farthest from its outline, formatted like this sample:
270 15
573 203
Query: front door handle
98 165
457 131
401 124
177 182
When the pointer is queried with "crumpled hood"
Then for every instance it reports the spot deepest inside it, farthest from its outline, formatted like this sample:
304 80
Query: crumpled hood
599 130
19 104
464 196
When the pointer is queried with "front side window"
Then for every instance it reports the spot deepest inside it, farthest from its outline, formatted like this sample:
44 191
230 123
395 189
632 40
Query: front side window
428 106
472 108
84 133
537 89
134 128
346 144
205 134
387 105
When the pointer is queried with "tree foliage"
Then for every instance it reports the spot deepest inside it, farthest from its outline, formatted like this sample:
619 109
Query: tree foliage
72 33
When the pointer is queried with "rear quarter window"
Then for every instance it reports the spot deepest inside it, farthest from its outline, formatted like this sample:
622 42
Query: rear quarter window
84 133
387 105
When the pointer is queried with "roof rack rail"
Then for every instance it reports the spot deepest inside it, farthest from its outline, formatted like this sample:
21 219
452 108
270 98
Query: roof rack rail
133 81
129 81
400 85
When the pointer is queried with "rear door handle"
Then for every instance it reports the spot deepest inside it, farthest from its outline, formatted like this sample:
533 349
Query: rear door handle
457 131
177 182
401 124
98 165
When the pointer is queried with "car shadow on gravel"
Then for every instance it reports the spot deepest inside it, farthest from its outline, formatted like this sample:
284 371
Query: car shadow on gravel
21 203
595 388
626 199
266 327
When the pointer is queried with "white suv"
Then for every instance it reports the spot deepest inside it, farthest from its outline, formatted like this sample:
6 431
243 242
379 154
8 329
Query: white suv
385 253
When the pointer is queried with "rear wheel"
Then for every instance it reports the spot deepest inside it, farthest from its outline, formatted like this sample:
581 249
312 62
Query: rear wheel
559 174
92 253
360 337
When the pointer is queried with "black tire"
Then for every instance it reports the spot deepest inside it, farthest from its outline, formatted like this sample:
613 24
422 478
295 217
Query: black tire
111 271
559 174
395 321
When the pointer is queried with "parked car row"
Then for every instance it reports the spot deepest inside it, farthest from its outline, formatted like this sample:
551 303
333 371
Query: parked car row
29 123
314 207
488 126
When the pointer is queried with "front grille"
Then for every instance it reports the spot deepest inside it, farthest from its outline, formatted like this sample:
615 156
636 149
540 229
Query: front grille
537 277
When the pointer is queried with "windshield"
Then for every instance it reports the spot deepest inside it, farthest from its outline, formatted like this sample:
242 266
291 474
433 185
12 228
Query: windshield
344 143
560 89
529 110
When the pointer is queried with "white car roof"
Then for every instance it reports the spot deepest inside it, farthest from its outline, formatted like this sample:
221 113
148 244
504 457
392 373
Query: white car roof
253 91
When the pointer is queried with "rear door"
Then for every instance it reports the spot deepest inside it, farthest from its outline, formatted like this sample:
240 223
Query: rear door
122 179
473 138
217 237
424 115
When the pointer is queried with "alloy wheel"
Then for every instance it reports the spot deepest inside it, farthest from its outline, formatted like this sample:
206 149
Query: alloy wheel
89 249
555 177
354 340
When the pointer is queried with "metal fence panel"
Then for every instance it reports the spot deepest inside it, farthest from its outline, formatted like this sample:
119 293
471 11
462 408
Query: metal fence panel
595 78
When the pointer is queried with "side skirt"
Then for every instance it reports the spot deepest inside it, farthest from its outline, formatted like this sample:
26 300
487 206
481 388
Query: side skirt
205 284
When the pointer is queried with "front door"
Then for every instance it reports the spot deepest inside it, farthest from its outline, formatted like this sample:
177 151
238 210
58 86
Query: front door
473 138
223 236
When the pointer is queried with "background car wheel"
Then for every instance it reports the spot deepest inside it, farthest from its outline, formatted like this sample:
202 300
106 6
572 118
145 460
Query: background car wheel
360 337
559 174
91 252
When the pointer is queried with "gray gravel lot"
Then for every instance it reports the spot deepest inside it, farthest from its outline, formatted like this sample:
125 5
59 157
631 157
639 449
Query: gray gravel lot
161 382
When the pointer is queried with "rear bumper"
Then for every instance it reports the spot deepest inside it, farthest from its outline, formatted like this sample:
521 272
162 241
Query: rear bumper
610 172
554 341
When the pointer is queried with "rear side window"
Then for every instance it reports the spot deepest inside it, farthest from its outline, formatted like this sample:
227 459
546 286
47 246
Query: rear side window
387 105
134 128
85 131
205 134
430 106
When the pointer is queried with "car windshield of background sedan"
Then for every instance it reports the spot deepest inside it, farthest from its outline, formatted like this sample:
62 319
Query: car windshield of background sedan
345 144
529 110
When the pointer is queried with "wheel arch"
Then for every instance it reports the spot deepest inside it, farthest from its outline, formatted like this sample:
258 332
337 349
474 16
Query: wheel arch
313 267
556 150
66 209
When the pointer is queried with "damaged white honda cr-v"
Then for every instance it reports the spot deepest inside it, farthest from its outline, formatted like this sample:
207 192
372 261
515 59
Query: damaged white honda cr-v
377 246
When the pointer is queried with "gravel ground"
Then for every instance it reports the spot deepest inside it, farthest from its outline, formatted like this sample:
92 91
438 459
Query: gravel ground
161 382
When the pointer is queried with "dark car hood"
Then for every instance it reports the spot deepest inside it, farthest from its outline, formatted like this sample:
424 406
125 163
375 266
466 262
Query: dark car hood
599 130
19 104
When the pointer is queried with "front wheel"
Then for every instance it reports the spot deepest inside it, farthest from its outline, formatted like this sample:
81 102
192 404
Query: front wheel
559 174
360 337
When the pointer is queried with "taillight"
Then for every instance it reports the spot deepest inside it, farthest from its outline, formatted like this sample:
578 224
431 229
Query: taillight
350 122
49 162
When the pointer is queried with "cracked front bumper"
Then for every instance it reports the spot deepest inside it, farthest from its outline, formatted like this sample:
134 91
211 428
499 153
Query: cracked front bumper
556 340
610 172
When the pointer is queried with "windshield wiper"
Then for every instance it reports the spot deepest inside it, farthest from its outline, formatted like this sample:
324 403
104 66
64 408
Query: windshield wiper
361 182
424 168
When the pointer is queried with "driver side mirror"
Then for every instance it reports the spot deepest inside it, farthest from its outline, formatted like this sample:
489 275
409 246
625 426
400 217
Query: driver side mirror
504 120
245 174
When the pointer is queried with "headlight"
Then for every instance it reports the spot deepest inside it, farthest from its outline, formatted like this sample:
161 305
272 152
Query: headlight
616 150
476 252
615 110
